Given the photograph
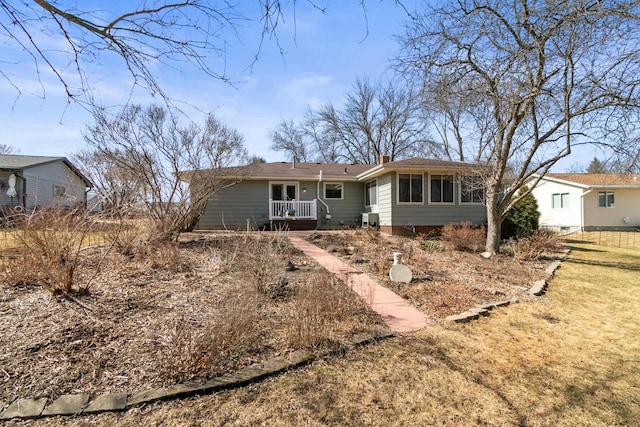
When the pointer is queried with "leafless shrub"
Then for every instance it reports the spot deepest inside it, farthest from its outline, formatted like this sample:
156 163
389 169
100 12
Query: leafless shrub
464 236
320 306
535 246
263 255
48 247
125 235
368 235
382 263
214 345
273 310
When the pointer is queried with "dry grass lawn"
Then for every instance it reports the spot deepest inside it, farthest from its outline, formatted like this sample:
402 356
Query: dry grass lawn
616 239
569 359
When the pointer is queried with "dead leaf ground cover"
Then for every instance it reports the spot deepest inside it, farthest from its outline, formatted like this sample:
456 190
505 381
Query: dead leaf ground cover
169 313
445 282
568 359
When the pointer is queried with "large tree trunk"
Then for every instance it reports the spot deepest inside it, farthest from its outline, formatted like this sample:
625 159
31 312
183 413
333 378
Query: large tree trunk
494 222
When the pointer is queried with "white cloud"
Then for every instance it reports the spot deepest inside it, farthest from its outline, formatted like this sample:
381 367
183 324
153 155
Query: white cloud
308 89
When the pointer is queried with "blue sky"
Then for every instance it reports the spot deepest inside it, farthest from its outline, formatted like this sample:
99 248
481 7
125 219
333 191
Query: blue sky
323 56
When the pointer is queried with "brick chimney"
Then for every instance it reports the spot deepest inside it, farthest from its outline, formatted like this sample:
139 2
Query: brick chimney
384 159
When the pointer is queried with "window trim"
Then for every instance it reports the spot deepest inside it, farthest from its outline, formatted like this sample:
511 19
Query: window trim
562 205
59 191
460 182
324 192
606 203
453 193
366 192
421 174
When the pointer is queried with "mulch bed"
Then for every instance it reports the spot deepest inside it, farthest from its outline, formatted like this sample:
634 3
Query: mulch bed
444 282
148 317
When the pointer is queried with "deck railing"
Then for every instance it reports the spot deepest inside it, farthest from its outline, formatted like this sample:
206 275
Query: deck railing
292 209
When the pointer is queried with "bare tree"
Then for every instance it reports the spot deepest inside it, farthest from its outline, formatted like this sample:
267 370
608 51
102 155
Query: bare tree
171 33
8 149
291 139
149 148
374 120
118 191
531 81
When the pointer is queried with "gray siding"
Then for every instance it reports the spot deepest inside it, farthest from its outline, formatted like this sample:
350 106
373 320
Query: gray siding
433 215
438 215
40 184
347 210
311 192
249 201
386 188
232 207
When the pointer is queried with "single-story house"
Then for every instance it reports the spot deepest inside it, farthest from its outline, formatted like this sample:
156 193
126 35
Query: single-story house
34 181
582 201
417 193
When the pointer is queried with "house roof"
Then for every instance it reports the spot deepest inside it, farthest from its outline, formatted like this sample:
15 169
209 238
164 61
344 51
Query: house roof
417 163
14 162
289 170
598 180
424 162
334 171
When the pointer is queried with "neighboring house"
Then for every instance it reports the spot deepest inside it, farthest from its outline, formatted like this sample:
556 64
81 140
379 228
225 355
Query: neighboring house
35 181
573 201
417 194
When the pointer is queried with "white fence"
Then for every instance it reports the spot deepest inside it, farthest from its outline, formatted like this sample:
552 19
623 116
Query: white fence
292 209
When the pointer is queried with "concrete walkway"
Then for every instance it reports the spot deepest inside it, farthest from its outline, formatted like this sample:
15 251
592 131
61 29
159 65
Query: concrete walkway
397 313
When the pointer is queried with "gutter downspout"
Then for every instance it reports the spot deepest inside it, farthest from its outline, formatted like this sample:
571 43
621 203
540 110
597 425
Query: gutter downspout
582 208
328 216
24 192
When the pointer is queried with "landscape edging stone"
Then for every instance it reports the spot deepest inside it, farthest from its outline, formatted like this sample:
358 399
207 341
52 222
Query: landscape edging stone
80 404
538 288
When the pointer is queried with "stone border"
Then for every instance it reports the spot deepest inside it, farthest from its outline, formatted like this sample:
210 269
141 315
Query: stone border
82 404
538 288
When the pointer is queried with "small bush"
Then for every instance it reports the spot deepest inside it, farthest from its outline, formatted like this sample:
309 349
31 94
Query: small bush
536 245
321 307
48 249
464 236
430 245
124 235
213 345
522 220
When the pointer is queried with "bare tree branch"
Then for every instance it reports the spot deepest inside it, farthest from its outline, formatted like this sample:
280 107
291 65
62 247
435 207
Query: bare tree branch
519 85
148 155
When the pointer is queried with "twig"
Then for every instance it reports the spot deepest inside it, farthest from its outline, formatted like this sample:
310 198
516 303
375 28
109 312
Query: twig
80 303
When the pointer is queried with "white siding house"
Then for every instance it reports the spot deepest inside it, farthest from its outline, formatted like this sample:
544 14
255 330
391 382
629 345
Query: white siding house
33 181
571 202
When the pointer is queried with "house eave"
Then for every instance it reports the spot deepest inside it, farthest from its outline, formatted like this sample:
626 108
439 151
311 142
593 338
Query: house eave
562 181
383 169
615 187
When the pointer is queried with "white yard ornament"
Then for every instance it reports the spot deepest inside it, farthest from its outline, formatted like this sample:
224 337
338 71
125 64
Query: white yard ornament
400 272
11 192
